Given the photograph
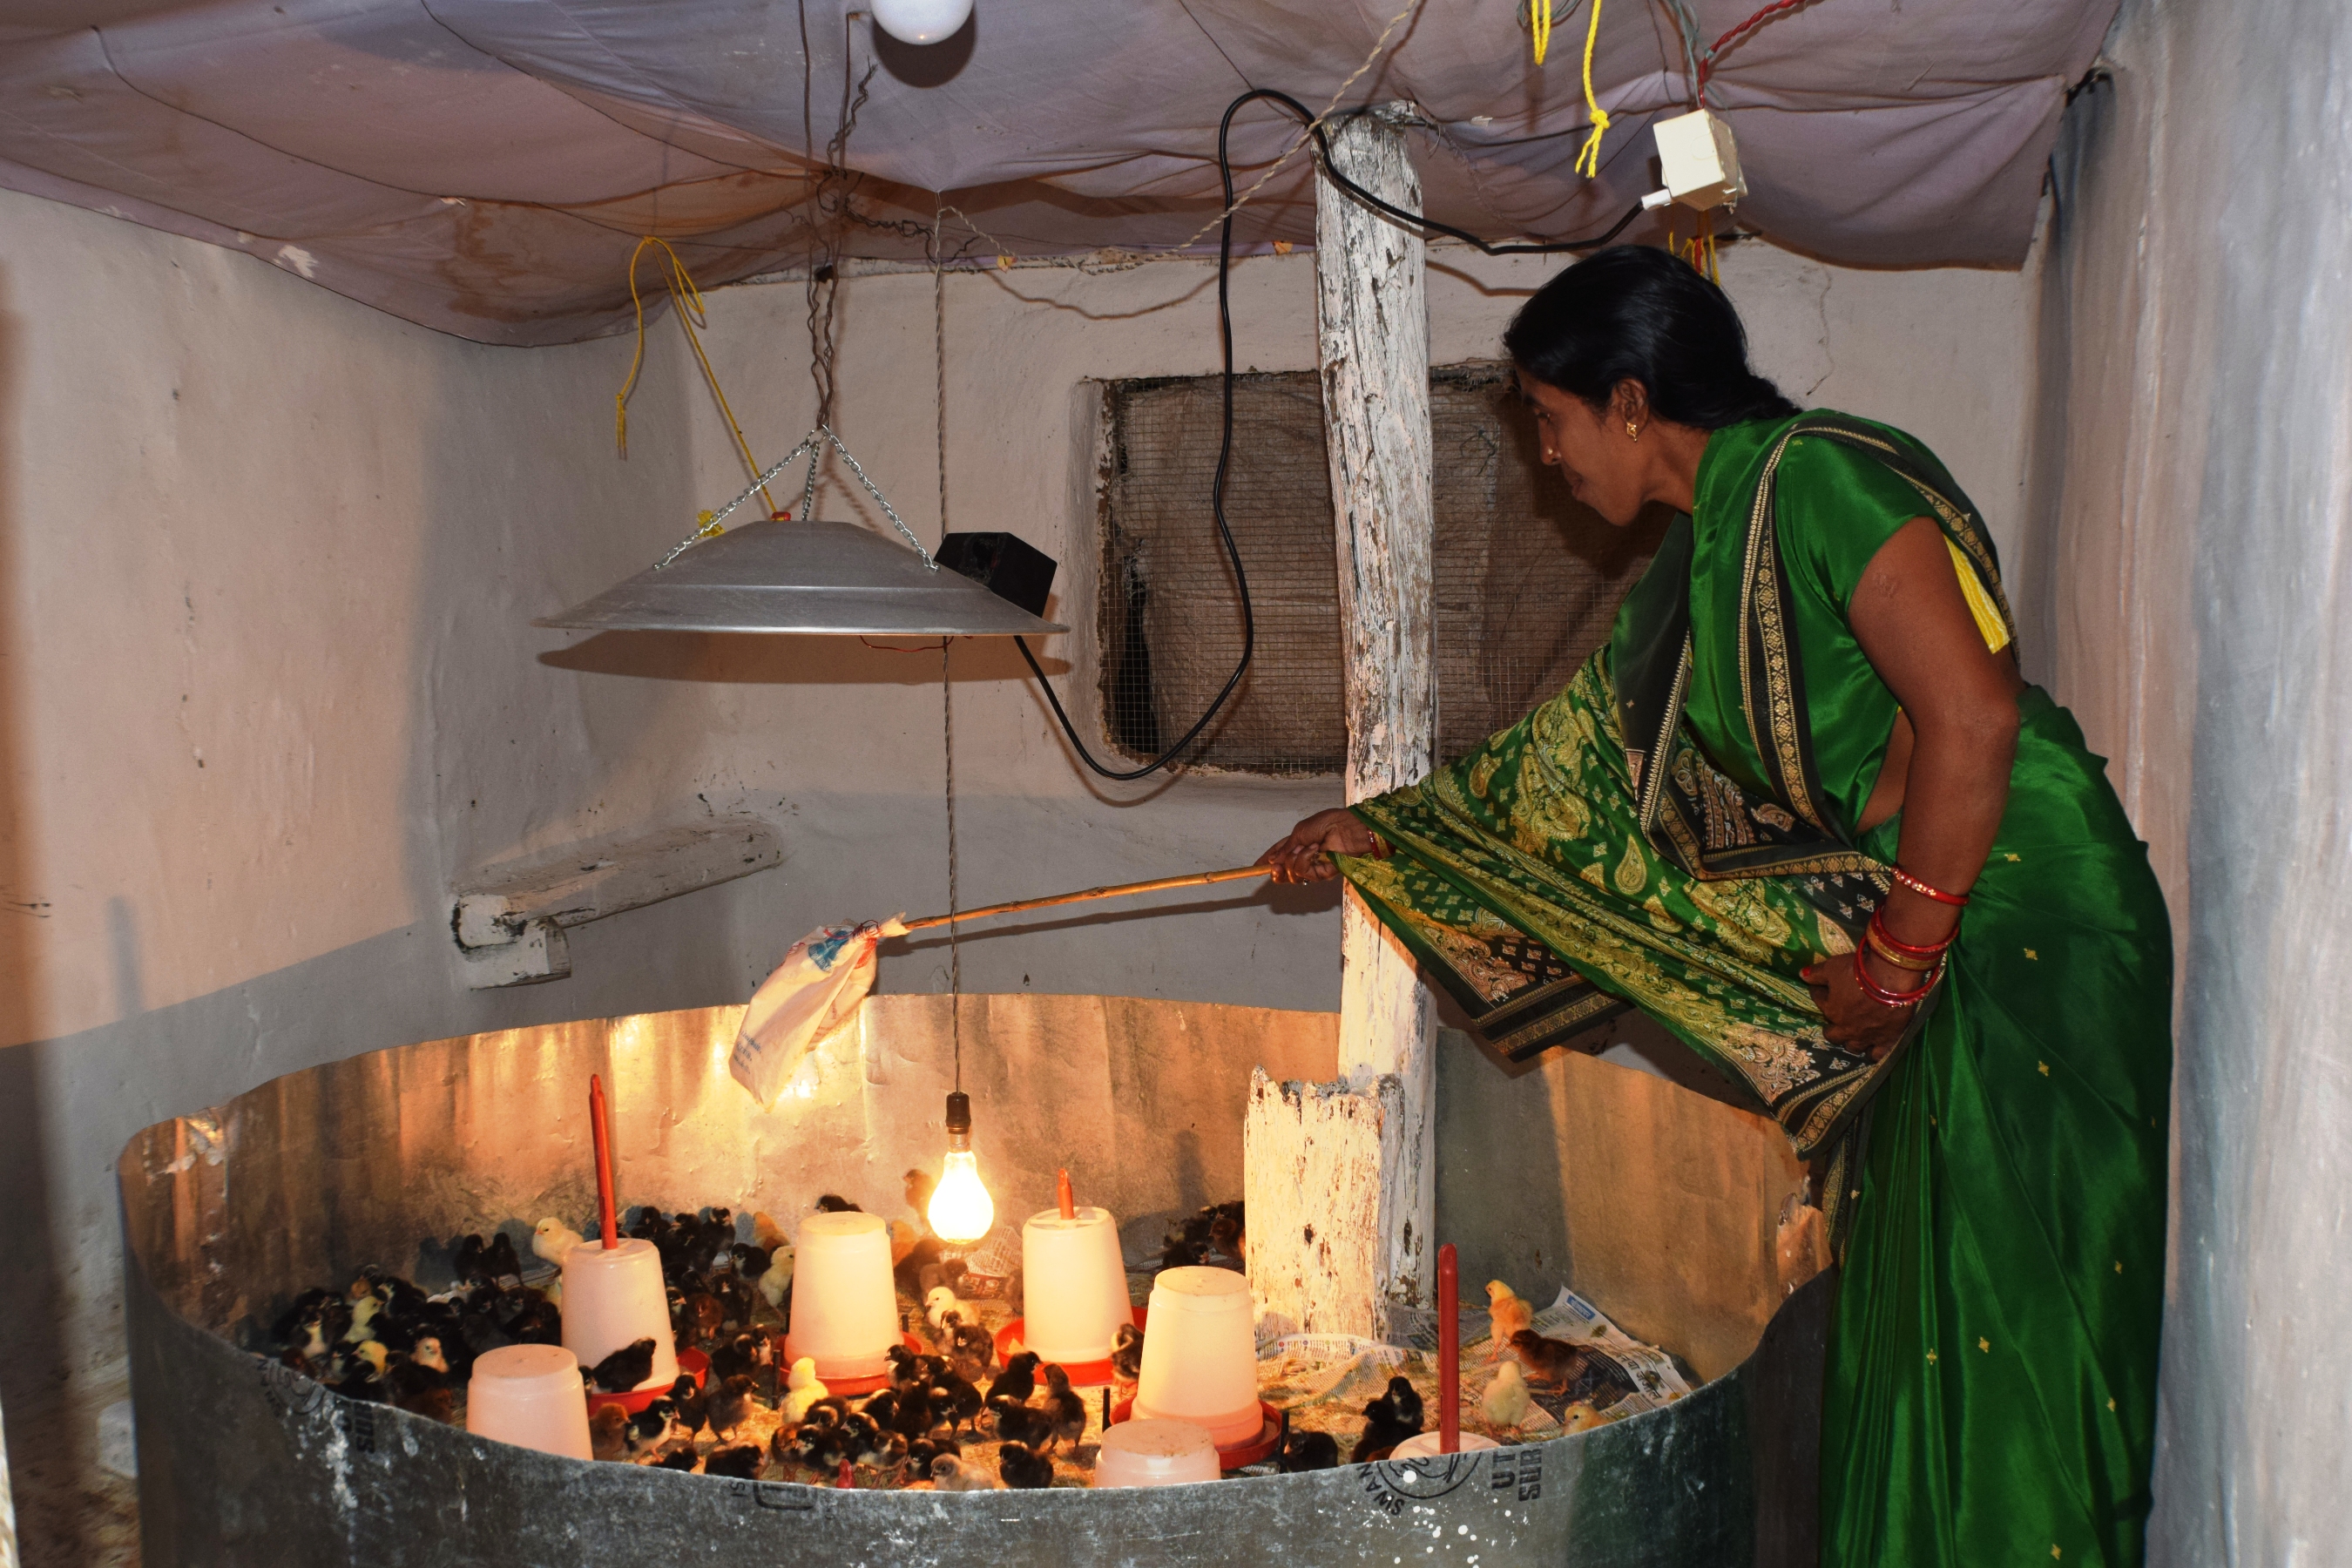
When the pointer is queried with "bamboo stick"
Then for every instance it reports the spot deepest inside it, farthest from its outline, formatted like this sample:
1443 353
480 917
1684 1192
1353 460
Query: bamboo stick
1196 879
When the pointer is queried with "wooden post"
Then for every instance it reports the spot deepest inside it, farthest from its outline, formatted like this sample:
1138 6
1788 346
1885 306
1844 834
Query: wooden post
1373 318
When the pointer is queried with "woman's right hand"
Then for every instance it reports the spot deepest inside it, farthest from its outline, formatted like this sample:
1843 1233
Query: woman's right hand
1306 855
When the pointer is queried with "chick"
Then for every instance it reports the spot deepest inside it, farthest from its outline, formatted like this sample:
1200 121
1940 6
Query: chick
767 1233
924 1454
1388 1421
1225 1238
745 1356
1065 1411
954 1398
883 1450
657 1428
1127 1352
608 1432
678 1459
941 1305
743 1461
1310 1451
698 1317
417 1388
1402 1405
1017 1381
801 1390
833 1202
1021 1425
915 1259
751 1261
1549 1363
1507 1312
920 1184
1507 1399
971 1351
951 1474
1579 1417
554 1240
500 1262
363 1316
693 1404
1023 1468
775 1282
620 1371
737 1401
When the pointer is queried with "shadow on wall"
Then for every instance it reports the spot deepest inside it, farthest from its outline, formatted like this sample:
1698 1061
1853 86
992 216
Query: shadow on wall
53 1525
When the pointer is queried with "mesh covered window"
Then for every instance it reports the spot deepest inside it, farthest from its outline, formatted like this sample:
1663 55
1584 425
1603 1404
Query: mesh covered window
1528 580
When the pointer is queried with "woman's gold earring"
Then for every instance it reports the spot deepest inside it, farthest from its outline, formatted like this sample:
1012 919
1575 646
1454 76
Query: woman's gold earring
1632 430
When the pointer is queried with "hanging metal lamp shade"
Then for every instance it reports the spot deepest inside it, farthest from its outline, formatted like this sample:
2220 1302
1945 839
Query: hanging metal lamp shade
827 578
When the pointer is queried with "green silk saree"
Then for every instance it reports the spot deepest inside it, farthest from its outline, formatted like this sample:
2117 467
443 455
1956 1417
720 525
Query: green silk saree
1673 832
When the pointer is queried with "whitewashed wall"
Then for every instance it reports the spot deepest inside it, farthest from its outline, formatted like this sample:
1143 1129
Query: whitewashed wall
2200 458
266 683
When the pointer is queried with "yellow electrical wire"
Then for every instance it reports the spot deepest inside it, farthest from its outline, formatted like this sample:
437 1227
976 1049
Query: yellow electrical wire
688 299
1539 24
1588 158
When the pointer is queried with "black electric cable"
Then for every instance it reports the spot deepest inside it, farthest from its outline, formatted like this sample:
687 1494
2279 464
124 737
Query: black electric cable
1225 448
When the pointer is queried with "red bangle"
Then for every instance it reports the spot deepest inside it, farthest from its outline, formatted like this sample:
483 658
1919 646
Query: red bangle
1878 944
1906 878
1882 996
1934 949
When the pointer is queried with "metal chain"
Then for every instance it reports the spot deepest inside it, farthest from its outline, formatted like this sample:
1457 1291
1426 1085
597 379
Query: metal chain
809 444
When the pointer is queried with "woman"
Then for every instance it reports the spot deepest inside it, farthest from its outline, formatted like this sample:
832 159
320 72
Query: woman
1803 811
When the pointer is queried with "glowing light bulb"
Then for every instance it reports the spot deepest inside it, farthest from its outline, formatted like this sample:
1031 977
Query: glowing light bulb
920 21
960 1208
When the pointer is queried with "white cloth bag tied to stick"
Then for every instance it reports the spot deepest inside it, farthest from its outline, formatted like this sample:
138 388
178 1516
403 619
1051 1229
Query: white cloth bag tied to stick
815 992
813 995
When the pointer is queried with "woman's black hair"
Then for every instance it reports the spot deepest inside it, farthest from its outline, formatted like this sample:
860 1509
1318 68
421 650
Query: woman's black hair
1635 313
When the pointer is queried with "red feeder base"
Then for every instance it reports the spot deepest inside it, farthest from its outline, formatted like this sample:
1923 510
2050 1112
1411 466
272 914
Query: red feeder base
1257 1451
689 1360
848 1387
1083 1373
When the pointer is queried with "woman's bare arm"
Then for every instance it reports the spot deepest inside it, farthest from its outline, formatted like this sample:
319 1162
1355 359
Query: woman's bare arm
1959 704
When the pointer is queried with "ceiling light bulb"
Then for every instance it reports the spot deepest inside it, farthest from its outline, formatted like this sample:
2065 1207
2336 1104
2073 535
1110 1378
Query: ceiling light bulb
920 21
960 1211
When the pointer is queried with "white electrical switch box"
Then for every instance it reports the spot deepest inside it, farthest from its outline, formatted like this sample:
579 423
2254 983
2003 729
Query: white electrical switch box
1698 161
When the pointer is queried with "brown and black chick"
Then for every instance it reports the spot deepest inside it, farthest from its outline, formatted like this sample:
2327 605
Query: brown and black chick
1388 1421
1311 1451
1017 1381
743 1461
1023 1468
735 1402
1065 1412
971 1351
1020 1423
1127 1352
608 1432
620 1371
1549 1363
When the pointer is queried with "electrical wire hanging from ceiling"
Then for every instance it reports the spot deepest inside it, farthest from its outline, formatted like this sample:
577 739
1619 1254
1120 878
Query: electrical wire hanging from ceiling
1313 124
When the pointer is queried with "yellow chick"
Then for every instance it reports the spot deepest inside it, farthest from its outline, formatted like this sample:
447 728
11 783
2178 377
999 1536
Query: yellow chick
801 1390
1579 1417
1508 1313
1507 1399
779 1277
553 1241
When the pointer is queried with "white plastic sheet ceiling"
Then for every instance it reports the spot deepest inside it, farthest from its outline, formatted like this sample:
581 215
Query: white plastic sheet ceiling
485 167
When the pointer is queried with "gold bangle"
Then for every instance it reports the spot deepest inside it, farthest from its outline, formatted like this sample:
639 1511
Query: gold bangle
1900 960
